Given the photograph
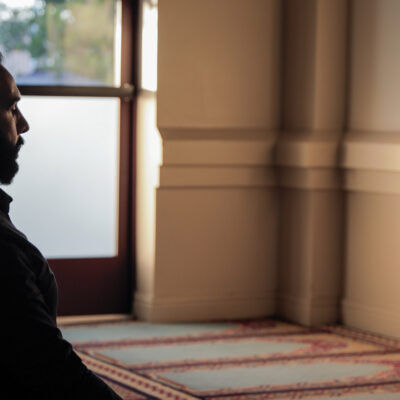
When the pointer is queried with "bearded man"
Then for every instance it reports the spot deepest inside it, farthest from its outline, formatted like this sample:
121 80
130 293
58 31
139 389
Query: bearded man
38 362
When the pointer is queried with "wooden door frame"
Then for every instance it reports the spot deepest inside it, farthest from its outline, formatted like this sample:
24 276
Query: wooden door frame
105 285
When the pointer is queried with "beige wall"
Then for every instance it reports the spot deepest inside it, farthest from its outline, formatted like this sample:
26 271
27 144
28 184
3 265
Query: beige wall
278 189
219 64
216 213
314 84
374 87
371 160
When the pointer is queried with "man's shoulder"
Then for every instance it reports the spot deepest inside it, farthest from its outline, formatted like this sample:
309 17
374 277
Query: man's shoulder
18 256
9 235
9 248
7 227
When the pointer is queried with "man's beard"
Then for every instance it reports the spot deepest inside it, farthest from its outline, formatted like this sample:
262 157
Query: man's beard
8 159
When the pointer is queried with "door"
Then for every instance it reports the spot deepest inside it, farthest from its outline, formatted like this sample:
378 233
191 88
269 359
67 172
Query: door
72 60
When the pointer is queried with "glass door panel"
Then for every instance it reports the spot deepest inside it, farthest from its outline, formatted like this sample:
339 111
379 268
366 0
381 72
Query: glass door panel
66 192
73 194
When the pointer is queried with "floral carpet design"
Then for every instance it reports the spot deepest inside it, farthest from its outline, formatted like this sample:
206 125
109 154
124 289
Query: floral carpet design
238 360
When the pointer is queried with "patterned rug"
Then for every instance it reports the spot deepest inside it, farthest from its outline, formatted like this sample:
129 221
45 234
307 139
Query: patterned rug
239 360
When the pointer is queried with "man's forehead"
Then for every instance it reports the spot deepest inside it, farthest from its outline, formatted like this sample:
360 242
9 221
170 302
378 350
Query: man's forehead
8 88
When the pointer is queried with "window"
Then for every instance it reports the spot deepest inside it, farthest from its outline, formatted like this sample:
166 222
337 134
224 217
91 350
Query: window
71 196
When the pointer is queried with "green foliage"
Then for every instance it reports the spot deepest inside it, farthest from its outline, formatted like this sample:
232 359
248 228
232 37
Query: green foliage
64 35
24 30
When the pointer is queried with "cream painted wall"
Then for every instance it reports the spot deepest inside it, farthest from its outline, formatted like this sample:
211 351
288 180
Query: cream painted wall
219 64
311 203
375 65
262 136
148 159
216 212
372 296
372 175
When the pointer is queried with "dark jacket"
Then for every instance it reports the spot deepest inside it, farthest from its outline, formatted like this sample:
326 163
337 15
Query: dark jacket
38 362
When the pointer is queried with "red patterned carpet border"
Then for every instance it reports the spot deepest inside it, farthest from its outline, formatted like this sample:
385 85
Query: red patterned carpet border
144 386
336 393
317 346
363 336
250 361
135 381
390 375
243 330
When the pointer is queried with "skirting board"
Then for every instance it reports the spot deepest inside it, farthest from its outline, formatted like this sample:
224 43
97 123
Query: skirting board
203 309
306 311
373 319
96 318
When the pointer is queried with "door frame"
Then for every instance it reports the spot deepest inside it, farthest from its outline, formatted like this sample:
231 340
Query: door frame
105 285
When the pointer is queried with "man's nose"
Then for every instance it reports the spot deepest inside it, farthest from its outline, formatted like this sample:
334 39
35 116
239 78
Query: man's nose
23 125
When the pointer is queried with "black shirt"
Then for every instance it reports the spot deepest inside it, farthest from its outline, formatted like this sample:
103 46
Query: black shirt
38 362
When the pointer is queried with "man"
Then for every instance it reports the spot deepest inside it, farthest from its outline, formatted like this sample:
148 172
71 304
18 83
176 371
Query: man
38 362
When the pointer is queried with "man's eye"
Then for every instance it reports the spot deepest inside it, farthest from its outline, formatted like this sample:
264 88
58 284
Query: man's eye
14 109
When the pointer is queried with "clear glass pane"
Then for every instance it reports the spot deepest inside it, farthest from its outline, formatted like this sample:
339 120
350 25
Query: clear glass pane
66 191
62 42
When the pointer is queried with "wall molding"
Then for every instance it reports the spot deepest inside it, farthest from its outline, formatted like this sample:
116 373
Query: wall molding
218 147
371 162
309 160
361 161
366 150
310 178
212 157
308 152
384 182
201 157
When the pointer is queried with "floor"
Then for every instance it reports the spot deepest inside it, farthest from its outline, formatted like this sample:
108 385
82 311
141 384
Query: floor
255 359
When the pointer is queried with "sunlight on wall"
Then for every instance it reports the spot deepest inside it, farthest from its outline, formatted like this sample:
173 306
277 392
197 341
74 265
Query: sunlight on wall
148 161
149 148
149 45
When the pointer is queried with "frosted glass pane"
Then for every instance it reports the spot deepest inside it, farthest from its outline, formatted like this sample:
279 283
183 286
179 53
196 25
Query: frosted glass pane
66 191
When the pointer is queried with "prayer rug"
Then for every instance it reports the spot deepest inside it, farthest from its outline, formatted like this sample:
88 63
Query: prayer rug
238 360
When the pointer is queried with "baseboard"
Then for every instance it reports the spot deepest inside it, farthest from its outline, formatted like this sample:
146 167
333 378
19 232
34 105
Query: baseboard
186 309
308 311
97 318
369 318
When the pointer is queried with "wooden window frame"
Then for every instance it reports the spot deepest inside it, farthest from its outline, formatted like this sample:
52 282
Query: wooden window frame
105 285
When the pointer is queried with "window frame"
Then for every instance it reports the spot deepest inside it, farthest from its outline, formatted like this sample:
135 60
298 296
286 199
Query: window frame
105 285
